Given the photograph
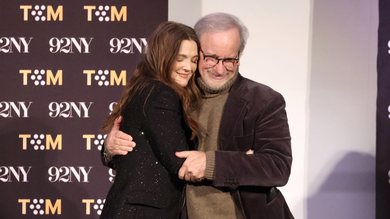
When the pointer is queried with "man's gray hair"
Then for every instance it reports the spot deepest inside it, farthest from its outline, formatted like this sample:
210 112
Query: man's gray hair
219 21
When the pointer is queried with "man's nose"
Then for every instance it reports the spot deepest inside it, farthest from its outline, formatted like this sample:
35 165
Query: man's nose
220 68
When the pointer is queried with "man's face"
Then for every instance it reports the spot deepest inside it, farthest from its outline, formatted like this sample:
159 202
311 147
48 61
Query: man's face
219 45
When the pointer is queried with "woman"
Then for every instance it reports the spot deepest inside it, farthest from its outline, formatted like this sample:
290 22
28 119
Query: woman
155 107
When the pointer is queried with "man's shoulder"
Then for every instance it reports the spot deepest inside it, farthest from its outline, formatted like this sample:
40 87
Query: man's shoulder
249 86
256 95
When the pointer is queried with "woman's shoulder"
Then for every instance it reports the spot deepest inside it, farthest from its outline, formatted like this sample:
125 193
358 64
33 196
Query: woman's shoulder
160 88
160 96
159 85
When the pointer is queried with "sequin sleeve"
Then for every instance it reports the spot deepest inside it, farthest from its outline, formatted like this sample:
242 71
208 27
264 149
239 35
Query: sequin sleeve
166 127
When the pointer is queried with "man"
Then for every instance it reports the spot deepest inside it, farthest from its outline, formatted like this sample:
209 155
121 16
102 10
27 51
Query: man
245 150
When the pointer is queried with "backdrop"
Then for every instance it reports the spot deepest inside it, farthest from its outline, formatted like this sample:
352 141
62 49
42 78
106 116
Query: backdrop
383 114
63 65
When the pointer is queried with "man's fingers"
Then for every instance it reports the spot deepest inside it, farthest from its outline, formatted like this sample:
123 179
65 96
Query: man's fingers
117 146
250 151
121 148
120 152
182 154
123 136
187 177
182 172
118 142
196 179
123 140
117 123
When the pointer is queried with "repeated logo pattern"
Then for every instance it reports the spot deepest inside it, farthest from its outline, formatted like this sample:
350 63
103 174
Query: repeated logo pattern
102 77
37 206
37 142
63 66
38 12
102 13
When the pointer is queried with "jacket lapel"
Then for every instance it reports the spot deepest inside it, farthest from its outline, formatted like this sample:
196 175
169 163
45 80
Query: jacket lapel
233 113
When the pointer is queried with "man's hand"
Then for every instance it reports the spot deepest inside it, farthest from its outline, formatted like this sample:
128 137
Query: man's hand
118 142
250 151
193 168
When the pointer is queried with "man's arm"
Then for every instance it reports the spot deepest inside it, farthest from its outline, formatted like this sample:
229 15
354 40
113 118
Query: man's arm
195 168
269 165
116 143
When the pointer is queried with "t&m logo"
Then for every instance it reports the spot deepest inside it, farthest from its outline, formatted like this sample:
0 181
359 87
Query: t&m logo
42 12
106 13
10 109
96 140
14 174
42 142
40 206
15 44
105 77
41 77
128 45
93 204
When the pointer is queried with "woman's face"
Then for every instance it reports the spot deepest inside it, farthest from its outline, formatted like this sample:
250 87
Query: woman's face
185 63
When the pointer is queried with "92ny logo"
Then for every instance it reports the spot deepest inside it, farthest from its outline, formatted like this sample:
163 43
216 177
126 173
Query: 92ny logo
69 174
69 109
15 44
128 45
67 45
14 174
14 109
70 45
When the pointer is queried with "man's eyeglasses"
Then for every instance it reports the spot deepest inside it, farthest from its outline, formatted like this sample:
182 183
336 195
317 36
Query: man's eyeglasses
212 60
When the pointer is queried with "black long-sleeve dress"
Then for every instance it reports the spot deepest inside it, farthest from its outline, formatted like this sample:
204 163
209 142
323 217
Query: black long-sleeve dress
146 183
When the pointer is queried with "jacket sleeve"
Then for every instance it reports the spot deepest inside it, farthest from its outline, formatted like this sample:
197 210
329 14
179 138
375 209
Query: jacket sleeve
270 164
106 161
166 128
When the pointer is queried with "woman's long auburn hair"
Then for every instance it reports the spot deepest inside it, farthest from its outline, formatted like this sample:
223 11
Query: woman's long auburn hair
157 64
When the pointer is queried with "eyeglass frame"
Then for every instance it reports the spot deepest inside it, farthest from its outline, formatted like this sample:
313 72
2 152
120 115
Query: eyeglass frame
233 60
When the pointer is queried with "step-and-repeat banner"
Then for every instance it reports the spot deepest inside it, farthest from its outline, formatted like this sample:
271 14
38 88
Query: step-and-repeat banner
383 114
63 65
